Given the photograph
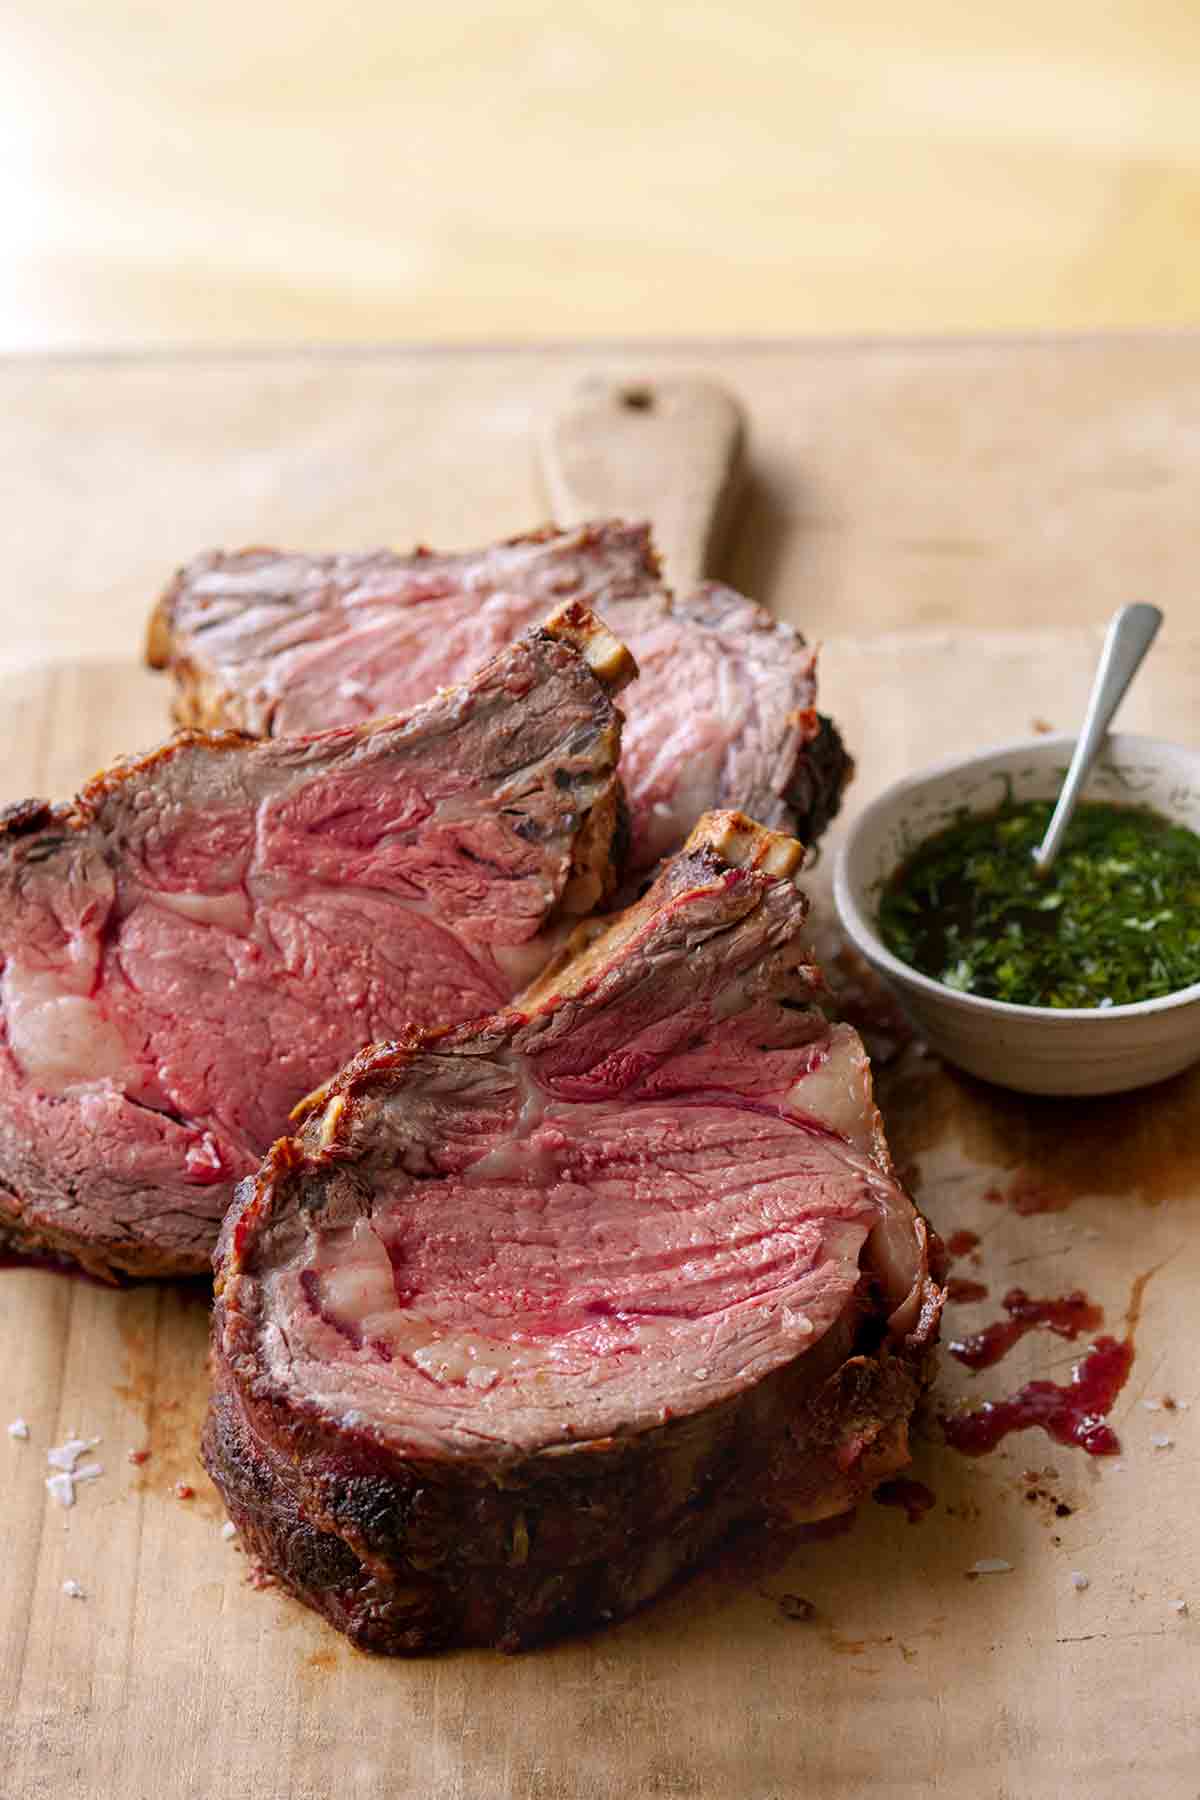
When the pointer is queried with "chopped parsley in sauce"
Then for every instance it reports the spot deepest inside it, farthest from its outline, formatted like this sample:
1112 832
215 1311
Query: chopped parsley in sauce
1116 920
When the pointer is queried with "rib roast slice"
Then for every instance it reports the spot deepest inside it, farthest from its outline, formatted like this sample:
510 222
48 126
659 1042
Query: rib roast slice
532 1311
205 932
723 715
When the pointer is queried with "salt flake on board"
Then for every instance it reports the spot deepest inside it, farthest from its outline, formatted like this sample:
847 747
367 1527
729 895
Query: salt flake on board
64 1460
19 1429
65 1456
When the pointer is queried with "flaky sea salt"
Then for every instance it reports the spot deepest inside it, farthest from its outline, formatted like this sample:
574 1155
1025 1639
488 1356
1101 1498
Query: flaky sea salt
1079 1579
228 1530
990 1565
73 1591
1179 1606
19 1429
64 1460
65 1456
1161 1441
1152 1405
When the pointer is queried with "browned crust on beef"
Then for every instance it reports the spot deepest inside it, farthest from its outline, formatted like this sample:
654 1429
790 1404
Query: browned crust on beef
409 1556
822 771
107 1259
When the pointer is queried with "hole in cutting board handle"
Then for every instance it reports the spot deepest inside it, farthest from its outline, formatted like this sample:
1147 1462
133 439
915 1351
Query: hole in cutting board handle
637 399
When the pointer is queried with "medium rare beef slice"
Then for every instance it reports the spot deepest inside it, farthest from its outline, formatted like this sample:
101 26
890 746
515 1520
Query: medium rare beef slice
205 933
723 716
532 1311
275 643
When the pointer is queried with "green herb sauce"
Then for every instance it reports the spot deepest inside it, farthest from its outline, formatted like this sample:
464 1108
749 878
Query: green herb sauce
1116 920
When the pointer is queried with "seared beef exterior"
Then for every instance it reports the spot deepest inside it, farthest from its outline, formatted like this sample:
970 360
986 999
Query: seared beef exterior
531 1312
204 933
722 716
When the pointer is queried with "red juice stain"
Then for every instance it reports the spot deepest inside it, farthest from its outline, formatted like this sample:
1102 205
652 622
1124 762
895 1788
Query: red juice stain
138 1457
913 1496
1069 1415
1065 1314
960 1289
1028 1194
961 1243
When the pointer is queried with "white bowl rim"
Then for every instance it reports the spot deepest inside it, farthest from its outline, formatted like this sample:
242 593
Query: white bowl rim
872 946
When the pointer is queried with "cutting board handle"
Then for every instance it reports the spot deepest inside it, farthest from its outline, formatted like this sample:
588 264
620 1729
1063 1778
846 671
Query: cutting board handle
668 450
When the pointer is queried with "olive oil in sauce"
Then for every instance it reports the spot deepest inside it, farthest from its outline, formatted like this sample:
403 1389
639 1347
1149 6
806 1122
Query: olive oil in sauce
1116 920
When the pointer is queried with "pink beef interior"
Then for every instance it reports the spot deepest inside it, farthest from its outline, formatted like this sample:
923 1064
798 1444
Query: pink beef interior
721 714
232 922
615 1210
310 642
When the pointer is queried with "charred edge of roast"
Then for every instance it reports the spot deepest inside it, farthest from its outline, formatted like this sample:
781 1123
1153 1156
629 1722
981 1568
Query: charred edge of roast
408 1558
108 1259
24 817
818 779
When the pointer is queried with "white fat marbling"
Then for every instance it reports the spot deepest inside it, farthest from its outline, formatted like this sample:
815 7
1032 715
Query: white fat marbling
61 1041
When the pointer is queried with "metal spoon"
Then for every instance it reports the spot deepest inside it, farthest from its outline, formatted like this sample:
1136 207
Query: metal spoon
1130 634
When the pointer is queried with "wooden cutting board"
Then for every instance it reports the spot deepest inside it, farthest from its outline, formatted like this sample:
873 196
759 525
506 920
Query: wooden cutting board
173 1675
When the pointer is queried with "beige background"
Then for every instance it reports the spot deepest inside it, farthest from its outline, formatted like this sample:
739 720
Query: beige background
523 169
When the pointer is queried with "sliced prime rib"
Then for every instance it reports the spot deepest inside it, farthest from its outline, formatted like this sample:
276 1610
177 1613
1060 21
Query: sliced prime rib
531 1312
206 932
723 716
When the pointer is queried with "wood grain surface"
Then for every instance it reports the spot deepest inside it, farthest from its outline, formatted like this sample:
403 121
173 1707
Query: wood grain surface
890 485
678 438
900 497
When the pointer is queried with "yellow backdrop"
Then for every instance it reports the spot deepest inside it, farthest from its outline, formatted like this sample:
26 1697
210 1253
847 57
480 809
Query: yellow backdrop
216 170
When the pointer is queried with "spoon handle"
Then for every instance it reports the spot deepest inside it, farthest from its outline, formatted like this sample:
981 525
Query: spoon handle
1130 634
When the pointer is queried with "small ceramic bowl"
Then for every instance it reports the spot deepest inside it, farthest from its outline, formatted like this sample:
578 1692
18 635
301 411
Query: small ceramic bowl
1037 1049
